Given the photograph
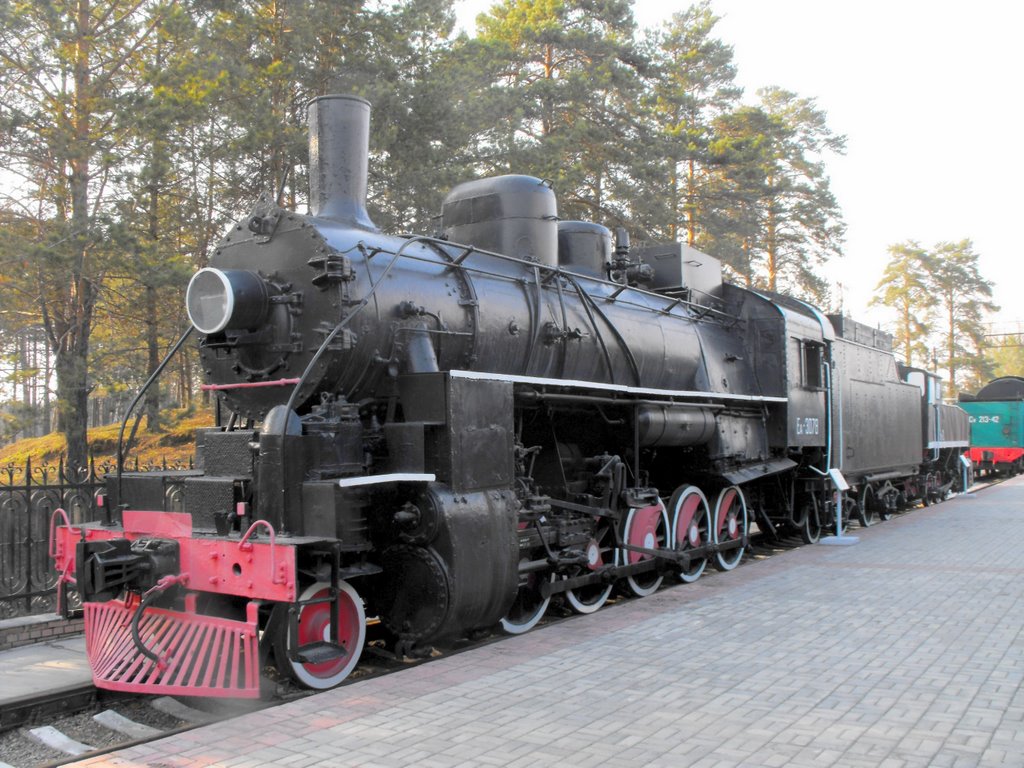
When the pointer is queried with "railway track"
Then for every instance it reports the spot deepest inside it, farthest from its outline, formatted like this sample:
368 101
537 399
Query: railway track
65 725
75 723
70 724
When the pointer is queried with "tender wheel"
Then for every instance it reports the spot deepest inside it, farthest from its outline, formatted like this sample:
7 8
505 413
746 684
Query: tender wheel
810 531
645 527
591 597
315 626
529 606
929 494
866 505
886 504
730 525
828 517
691 527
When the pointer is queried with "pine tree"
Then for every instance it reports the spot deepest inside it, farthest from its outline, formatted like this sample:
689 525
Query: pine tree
785 219
427 113
692 83
1006 356
568 74
963 297
904 288
67 94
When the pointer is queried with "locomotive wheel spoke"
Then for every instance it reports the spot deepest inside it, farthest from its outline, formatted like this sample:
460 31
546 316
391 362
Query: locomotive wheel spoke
645 527
691 527
315 626
529 606
730 525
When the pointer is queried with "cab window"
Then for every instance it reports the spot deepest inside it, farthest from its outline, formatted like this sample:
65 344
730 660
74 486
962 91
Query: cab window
812 357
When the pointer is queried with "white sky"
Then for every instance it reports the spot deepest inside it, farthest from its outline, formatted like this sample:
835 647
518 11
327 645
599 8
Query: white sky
925 92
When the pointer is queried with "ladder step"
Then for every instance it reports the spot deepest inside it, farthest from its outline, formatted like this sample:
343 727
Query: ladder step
318 653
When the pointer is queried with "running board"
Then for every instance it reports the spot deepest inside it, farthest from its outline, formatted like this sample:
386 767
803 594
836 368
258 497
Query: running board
198 655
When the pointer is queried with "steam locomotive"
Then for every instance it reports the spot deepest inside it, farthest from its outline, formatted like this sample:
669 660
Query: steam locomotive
445 433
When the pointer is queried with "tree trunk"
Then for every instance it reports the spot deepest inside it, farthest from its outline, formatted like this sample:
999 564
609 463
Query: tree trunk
73 343
153 355
771 250
47 375
748 272
905 332
952 348
771 246
158 163
691 204
673 227
73 404
186 375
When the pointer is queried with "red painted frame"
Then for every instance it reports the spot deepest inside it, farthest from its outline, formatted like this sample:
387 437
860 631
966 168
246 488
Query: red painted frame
257 570
999 455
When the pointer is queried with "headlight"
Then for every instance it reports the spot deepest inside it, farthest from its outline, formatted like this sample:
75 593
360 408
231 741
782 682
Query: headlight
231 298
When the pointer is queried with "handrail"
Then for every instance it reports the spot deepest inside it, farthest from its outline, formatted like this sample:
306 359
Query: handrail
274 579
248 385
52 544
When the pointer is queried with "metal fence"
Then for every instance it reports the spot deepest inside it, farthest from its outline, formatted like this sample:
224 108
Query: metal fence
28 497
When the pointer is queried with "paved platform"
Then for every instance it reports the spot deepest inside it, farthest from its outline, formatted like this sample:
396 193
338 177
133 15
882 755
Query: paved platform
904 650
27 670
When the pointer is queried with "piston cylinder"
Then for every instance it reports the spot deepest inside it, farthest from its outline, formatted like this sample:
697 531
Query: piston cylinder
666 426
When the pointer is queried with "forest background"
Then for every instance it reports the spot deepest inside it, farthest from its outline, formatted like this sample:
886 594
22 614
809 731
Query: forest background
134 132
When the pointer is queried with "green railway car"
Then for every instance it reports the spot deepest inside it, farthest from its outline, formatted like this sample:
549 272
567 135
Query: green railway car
997 425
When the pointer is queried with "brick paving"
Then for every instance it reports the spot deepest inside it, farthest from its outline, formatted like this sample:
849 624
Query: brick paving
904 650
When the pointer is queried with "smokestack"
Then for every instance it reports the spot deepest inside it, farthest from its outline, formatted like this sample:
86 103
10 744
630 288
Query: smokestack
339 147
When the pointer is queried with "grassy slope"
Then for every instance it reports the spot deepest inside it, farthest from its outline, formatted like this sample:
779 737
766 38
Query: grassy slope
174 445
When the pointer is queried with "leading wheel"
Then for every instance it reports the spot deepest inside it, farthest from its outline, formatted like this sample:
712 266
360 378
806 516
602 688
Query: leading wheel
529 606
691 527
646 527
730 526
315 626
